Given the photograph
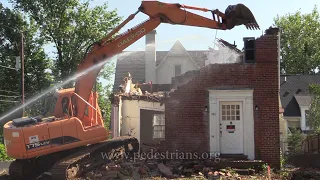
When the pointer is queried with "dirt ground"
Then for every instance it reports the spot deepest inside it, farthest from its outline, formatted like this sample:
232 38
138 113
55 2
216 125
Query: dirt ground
164 172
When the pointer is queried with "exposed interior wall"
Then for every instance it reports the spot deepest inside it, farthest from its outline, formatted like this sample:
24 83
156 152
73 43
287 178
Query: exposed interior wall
146 122
131 116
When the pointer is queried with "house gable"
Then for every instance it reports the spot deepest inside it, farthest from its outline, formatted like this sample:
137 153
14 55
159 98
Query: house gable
177 59
177 50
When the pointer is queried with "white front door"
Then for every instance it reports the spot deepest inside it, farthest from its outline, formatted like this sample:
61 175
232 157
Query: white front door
231 128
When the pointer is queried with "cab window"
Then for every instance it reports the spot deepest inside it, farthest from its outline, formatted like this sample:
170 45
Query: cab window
65 105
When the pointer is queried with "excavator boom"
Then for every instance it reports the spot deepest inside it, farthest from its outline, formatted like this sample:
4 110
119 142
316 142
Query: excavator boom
158 13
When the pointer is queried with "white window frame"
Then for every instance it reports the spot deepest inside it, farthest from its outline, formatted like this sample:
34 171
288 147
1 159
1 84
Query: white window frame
160 124
306 119
303 120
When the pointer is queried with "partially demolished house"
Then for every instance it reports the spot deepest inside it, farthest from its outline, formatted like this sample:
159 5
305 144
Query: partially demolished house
188 103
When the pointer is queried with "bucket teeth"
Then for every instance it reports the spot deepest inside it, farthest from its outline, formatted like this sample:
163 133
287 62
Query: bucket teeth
252 26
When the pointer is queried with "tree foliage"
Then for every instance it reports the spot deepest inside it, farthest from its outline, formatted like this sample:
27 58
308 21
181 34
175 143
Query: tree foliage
314 116
300 42
71 26
12 23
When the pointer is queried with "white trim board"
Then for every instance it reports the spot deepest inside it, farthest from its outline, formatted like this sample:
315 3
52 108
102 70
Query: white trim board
244 96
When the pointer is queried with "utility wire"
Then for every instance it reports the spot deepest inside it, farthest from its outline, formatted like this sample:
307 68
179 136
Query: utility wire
8 101
9 96
9 91
8 67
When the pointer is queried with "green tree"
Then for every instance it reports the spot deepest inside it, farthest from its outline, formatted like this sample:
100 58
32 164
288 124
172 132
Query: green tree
12 23
314 112
71 26
300 37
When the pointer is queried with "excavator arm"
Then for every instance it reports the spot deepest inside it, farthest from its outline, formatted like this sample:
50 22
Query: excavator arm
158 13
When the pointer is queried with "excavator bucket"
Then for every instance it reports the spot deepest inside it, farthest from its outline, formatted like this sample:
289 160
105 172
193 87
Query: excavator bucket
239 14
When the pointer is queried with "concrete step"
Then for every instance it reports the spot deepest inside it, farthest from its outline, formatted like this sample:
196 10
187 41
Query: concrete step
244 171
241 164
234 156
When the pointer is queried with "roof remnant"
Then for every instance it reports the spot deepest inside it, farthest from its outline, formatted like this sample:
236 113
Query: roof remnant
135 91
230 46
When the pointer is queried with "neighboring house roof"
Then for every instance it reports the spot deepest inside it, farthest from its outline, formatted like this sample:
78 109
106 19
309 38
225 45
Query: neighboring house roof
294 91
134 62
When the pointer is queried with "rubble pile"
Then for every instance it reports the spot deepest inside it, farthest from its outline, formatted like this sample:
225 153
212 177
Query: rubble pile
148 169
305 173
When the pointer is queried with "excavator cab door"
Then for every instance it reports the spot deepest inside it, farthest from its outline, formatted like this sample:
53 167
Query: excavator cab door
69 129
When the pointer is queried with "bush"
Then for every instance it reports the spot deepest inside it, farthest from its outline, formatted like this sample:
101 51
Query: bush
3 153
294 141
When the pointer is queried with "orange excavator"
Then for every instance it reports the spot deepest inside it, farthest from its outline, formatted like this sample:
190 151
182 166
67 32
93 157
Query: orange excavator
69 139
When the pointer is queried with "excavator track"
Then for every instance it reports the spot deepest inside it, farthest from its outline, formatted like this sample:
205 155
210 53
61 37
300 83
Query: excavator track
75 165
32 168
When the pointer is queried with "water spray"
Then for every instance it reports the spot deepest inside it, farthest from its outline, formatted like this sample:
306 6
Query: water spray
74 77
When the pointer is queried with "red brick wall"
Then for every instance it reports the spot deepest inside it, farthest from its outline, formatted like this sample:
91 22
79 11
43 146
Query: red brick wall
187 124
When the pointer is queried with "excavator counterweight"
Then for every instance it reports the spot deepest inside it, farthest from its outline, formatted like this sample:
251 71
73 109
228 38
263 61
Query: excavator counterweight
70 136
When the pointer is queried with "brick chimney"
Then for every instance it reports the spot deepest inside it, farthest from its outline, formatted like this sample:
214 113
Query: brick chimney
150 57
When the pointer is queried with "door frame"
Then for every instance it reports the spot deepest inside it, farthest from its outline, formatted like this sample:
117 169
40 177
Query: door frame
246 97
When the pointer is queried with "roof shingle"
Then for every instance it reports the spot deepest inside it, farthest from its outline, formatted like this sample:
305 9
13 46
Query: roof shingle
292 87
